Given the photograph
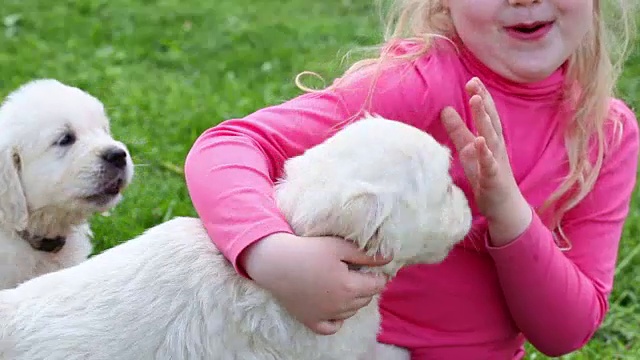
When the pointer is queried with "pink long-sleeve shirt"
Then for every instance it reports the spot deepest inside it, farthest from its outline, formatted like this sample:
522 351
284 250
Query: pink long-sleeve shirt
482 302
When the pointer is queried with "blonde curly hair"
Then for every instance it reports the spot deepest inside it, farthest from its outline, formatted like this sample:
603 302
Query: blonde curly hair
595 67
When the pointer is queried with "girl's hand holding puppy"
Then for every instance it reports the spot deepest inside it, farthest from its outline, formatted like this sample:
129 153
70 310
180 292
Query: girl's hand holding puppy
309 276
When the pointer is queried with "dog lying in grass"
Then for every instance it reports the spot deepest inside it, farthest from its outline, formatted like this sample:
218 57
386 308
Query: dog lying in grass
59 165
170 294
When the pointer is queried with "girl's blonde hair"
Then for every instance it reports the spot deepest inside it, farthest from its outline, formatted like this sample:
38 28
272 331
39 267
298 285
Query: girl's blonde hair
594 68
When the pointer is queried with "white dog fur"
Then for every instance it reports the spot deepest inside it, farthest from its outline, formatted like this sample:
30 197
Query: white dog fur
170 294
53 174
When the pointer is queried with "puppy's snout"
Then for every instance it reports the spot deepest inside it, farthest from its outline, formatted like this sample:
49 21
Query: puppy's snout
116 157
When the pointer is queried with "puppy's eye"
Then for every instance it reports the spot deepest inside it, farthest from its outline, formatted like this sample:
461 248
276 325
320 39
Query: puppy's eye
450 188
67 139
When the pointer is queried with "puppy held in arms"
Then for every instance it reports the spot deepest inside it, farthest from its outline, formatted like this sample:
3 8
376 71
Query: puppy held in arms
170 294
59 165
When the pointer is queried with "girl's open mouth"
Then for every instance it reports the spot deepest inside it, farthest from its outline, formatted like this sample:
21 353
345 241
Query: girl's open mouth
532 31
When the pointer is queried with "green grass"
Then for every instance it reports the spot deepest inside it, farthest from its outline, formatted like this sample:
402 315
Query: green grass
168 69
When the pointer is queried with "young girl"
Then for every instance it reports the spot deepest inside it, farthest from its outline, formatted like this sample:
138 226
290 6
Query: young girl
521 90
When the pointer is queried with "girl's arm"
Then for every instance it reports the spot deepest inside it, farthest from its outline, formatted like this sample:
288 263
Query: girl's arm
231 168
559 300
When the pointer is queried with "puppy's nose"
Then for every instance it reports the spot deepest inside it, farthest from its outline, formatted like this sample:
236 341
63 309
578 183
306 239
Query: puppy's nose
52 245
116 157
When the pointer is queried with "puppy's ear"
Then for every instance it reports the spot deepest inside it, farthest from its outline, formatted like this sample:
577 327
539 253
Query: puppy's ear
367 211
13 203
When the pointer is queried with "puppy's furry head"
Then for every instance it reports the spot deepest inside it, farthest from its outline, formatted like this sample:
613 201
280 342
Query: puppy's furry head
384 185
58 161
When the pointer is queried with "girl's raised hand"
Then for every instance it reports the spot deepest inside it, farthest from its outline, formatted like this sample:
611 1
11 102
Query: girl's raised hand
486 164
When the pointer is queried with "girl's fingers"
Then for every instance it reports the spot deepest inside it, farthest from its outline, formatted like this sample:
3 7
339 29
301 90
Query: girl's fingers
489 105
344 315
456 128
483 121
352 308
469 161
359 303
487 164
327 327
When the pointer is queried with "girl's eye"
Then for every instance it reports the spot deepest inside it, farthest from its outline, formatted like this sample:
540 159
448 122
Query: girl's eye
66 140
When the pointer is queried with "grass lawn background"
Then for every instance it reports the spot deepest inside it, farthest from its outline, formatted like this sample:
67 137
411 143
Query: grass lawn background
167 70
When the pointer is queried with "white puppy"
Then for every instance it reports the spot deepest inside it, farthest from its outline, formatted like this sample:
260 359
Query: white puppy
170 294
58 166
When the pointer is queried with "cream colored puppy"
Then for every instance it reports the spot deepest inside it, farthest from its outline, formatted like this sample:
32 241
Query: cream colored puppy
58 166
170 294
